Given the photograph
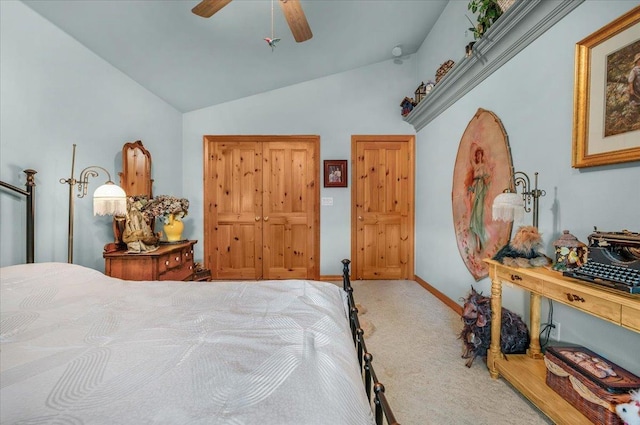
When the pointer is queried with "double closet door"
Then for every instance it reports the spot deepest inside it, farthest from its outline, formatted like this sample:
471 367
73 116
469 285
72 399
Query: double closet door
262 215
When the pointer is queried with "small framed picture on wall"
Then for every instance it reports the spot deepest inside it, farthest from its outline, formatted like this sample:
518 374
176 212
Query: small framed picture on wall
335 173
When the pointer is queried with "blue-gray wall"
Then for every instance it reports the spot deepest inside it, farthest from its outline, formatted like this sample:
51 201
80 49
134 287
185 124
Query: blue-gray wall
54 92
533 96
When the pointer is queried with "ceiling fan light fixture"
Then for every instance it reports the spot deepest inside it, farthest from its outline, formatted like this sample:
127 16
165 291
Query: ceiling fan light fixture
396 51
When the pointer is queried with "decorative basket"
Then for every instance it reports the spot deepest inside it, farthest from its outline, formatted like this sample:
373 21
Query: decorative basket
444 68
505 4
596 399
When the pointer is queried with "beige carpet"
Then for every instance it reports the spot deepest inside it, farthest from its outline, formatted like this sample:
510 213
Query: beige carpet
416 354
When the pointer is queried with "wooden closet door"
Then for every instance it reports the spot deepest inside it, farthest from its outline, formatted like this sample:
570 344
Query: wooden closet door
233 208
383 210
262 216
290 210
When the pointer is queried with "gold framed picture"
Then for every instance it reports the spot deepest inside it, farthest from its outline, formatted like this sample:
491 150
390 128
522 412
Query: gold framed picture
335 173
606 117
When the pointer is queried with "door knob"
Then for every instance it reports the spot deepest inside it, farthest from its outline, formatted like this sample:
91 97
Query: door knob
360 218
257 218
266 218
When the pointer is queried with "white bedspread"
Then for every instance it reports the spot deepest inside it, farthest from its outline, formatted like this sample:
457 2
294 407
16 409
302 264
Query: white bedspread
78 347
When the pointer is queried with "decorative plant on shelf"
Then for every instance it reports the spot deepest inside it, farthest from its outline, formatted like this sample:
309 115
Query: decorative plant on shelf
488 12
163 206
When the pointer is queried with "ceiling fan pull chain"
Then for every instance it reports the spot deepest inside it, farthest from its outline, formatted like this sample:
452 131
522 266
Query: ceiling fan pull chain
273 40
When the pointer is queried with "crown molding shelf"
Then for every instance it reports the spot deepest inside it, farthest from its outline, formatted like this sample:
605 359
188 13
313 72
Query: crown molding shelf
521 24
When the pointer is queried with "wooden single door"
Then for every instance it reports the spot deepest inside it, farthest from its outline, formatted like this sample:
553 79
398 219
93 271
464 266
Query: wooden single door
261 207
382 210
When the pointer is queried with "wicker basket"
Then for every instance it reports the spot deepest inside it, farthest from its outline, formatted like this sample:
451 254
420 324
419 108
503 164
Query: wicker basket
592 399
444 68
505 4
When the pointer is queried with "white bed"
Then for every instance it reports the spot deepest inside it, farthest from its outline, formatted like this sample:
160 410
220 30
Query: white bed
78 347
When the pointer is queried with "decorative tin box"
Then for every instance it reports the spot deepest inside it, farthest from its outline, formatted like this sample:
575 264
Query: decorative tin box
570 252
589 382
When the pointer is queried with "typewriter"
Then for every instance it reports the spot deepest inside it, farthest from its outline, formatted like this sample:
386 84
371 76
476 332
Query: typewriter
613 261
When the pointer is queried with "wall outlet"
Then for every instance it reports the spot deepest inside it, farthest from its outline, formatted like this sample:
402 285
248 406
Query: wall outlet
555 332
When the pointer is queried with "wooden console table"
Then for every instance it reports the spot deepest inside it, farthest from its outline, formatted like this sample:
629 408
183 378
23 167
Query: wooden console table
527 372
168 262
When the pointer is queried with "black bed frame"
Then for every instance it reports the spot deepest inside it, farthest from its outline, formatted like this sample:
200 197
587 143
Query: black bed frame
382 408
30 213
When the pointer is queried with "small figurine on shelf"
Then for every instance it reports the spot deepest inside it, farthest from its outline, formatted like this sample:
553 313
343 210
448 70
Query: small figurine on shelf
407 105
420 93
429 86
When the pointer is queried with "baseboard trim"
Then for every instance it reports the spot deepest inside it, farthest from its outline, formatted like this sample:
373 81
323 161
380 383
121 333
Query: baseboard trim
331 278
439 295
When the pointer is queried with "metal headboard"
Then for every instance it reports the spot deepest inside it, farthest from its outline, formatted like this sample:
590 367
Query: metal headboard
30 213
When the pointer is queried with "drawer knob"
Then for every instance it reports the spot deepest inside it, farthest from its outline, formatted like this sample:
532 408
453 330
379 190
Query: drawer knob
574 297
186 254
166 263
177 258
515 277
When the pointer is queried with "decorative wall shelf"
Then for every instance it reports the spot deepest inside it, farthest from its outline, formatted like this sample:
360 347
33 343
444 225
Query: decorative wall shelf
520 25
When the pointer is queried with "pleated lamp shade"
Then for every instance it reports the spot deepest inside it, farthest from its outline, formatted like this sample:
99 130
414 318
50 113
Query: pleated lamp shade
109 199
508 206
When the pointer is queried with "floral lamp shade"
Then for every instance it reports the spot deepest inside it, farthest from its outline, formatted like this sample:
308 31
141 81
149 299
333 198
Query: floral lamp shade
508 206
109 199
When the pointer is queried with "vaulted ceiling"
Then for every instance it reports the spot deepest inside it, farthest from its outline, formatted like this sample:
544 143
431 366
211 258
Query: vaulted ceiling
193 62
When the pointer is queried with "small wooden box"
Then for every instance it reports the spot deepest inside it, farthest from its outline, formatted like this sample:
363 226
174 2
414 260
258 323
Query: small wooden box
202 275
589 382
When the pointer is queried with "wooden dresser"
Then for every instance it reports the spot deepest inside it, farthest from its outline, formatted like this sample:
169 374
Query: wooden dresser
527 372
168 262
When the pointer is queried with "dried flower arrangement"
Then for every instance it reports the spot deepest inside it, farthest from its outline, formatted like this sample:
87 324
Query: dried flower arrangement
163 206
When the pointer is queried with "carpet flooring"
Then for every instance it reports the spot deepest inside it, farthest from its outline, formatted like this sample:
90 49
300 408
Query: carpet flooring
413 337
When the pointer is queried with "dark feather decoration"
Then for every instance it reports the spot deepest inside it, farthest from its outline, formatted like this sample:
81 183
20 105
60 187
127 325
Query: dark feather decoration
476 333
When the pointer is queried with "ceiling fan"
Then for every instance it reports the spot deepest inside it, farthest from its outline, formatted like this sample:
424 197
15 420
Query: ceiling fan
292 12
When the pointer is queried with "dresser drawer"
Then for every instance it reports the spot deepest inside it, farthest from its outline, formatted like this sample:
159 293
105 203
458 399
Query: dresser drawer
170 260
184 272
603 308
177 265
527 282
631 317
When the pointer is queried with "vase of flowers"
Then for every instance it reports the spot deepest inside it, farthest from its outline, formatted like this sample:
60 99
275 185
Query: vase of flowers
173 229
171 210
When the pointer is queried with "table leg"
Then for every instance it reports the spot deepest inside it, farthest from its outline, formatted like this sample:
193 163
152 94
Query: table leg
496 318
534 327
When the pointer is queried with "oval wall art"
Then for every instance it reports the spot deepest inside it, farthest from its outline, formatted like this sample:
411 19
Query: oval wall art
482 171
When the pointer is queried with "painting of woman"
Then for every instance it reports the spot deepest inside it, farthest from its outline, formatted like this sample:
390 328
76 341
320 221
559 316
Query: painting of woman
477 187
482 171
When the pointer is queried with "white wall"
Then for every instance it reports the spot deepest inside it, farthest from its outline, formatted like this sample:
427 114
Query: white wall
532 94
55 92
363 101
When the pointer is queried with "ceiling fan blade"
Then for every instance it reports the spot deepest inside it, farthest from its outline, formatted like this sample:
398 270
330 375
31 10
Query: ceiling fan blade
206 8
297 21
